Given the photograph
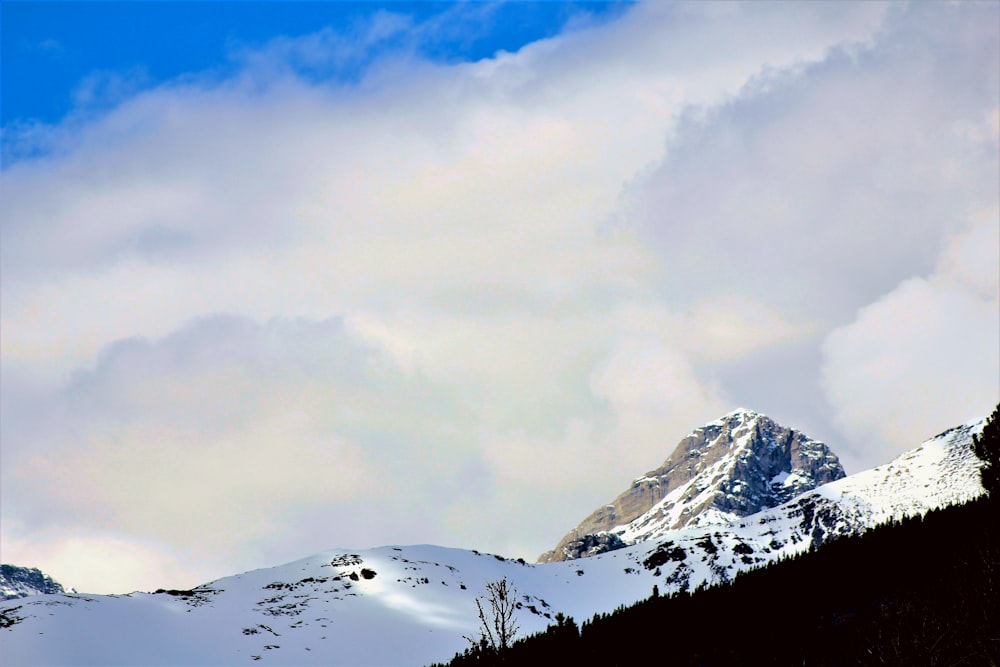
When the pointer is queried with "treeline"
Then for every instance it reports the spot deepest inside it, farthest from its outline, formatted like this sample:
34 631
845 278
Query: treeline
924 591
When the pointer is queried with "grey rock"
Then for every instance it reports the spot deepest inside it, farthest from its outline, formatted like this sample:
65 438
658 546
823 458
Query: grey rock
738 465
20 582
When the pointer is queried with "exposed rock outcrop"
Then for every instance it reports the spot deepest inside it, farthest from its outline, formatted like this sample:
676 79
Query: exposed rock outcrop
20 582
740 464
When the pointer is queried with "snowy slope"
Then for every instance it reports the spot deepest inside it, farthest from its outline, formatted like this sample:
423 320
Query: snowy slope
411 605
386 606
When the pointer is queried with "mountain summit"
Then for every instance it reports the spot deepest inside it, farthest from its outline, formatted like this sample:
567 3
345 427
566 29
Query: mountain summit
20 582
737 465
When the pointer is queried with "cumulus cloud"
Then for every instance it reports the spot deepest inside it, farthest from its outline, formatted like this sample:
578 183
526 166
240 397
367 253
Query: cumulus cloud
418 306
845 174
925 355
820 189
221 433
95 561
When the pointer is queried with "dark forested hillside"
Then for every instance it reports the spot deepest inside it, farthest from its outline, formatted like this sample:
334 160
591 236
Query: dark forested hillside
921 592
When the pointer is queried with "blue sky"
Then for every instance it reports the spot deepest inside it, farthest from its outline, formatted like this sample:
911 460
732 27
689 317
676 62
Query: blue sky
51 48
457 274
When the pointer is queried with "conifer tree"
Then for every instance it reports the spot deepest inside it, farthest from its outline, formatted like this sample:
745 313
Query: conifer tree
986 446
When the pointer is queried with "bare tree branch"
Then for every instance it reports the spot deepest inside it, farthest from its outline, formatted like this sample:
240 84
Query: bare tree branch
497 626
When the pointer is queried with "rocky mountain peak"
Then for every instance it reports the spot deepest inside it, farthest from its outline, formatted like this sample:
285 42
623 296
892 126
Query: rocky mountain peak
20 582
739 464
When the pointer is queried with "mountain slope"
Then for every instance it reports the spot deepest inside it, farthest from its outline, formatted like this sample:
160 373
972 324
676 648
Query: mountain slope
412 605
739 464
20 582
862 600
941 472
386 606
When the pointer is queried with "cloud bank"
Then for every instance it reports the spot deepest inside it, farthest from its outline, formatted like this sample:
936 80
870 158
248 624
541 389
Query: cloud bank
254 317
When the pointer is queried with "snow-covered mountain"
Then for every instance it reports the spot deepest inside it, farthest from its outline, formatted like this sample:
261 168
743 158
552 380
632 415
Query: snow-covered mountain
412 605
941 472
742 463
20 582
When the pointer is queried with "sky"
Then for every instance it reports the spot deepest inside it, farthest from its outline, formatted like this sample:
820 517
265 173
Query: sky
284 277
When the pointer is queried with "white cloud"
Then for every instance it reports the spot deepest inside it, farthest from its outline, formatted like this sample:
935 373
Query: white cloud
456 288
106 562
177 439
925 356
327 51
229 434
814 193
933 340
969 260
819 188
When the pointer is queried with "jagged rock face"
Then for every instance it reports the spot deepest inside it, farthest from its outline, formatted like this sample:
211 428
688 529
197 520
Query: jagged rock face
593 544
737 465
20 582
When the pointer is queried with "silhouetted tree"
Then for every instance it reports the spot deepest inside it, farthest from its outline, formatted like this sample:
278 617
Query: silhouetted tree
497 625
917 591
987 447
